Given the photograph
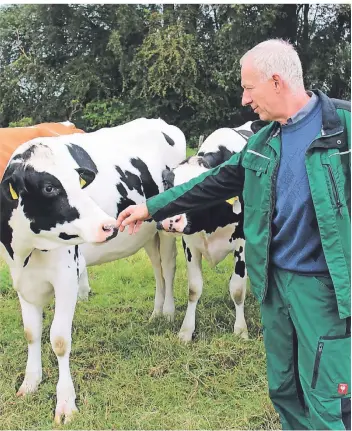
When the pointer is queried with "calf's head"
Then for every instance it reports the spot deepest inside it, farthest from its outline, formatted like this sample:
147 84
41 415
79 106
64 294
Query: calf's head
184 223
46 202
216 149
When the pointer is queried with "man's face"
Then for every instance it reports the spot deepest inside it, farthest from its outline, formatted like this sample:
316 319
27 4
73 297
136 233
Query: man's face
260 94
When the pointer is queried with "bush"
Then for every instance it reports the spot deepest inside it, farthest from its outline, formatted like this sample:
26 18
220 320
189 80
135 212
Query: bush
23 122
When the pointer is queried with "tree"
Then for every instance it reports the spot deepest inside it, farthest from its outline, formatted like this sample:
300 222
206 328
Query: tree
104 64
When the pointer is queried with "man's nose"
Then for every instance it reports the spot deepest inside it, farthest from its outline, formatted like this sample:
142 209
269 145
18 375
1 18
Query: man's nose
246 100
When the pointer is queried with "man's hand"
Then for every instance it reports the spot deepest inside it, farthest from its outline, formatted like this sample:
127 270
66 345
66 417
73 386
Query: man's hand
132 216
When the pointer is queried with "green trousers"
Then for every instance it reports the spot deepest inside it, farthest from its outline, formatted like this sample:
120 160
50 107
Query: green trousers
308 349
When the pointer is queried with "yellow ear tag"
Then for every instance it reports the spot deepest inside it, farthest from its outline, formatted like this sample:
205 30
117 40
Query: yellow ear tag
13 193
232 200
82 182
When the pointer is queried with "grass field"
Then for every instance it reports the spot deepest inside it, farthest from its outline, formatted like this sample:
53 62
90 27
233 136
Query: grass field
130 373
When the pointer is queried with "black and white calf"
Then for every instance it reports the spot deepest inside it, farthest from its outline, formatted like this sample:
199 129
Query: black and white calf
58 193
214 232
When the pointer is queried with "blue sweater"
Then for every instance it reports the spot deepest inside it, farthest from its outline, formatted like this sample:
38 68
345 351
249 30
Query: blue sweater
296 244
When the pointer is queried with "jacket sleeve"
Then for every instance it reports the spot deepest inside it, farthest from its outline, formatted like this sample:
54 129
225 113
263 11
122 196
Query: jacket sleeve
216 185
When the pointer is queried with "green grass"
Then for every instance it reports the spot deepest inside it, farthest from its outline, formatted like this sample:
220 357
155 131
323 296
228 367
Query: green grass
130 373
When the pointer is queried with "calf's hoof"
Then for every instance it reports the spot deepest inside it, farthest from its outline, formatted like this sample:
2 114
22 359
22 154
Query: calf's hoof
185 336
169 315
242 332
155 314
66 410
30 384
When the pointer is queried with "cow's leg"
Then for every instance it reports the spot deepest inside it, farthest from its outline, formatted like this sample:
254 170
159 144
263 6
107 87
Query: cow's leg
168 254
152 248
238 289
32 316
66 292
84 287
195 287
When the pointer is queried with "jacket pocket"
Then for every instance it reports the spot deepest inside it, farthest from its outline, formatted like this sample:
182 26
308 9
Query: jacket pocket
331 377
335 166
256 161
255 192
325 282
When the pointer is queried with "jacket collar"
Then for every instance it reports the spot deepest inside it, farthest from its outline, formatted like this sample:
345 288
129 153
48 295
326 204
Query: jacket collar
331 126
331 121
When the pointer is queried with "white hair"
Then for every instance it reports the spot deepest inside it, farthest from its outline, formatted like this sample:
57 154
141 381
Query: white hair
276 56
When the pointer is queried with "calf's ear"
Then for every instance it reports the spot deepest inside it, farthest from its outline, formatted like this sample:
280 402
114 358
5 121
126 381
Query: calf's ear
13 183
258 124
86 176
168 178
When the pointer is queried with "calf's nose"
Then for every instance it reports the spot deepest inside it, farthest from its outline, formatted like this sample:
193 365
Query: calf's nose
108 227
106 231
110 231
173 224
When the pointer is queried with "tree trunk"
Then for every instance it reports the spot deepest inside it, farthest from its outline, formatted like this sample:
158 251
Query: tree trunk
286 23
305 40
168 14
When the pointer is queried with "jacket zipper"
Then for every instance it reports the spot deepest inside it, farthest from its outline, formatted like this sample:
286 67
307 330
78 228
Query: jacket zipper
273 197
335 191
316 364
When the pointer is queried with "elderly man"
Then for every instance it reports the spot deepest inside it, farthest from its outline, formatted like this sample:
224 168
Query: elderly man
294 176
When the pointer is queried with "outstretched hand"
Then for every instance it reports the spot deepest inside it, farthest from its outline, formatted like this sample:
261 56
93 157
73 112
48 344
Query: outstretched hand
132 217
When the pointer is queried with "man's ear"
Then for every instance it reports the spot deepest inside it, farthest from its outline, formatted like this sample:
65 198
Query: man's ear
277 82
86 176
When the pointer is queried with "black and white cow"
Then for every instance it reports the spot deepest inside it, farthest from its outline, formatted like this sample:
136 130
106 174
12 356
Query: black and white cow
216 231
58 193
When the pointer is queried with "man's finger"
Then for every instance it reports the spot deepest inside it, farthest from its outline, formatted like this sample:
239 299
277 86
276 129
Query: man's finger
128 220
130 228
123 215
137 226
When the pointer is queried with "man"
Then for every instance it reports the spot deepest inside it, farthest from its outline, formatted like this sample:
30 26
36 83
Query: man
294 176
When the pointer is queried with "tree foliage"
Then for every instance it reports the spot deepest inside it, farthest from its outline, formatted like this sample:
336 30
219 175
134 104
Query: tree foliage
102 64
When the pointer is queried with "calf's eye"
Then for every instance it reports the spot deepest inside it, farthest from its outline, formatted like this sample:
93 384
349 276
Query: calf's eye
49 190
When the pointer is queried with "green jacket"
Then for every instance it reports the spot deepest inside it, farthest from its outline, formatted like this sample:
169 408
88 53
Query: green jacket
253 173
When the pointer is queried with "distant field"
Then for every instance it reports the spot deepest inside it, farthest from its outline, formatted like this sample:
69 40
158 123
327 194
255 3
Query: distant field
190 151
130 373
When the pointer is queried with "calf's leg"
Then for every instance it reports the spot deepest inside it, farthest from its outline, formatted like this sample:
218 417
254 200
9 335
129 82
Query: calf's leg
84 287
168 254
237 286
152 248
195 288
66 291
32 316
